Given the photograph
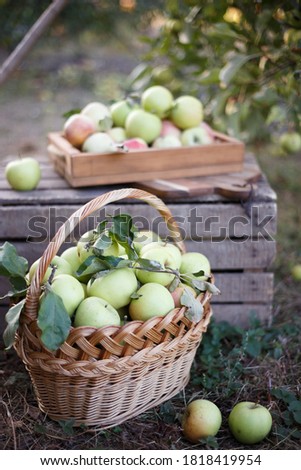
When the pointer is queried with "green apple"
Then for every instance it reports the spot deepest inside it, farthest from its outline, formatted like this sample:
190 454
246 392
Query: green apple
144 237
144 125
84 247
23 174
250 422
201 419
61 265
119 112
157 100
290 142
117 134
96 112
187 112
96 312
166 258
296 272
77 128
172 249
116 287
152 300
99 142
169 141
70 290
195 136
71 255
193 262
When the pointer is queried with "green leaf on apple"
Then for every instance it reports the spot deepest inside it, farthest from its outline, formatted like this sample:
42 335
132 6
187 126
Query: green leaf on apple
91 261
53 320
195 309
12 320
69 113
149 264
103 242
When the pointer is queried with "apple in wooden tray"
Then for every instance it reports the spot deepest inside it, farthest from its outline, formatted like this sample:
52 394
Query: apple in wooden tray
156 120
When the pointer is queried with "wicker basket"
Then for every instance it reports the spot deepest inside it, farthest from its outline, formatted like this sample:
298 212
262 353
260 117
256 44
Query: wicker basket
105 376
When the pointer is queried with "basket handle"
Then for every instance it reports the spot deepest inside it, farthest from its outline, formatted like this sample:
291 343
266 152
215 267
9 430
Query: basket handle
86 210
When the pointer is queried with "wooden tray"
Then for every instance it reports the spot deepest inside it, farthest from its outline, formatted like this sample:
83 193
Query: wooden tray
235 186
80 169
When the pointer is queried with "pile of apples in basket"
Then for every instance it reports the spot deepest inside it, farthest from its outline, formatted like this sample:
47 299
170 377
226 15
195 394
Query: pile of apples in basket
158 120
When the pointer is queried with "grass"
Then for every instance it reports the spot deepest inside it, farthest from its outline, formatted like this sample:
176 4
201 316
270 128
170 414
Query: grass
261 364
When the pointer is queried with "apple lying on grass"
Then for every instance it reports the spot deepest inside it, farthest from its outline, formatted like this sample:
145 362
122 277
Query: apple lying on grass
250 422
23 174
202 418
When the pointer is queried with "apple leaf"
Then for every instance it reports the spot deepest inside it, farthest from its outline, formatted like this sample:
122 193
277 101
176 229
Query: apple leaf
71 112
149 265
19 288
53 320
205 285
103 242
195 309
93 263
12 320
11 264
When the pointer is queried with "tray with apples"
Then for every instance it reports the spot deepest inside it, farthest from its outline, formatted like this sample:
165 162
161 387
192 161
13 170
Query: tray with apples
158 137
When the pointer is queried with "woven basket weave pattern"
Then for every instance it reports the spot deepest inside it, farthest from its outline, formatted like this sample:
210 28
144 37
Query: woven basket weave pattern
104 376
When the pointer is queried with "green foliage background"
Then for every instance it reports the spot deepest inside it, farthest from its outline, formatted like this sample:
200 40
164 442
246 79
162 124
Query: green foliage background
243 58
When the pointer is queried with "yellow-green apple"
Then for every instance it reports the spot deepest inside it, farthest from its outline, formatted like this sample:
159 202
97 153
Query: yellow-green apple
96 312
167 257
194 262
152 300
140 123
71 255
202 418
168 129
179 291
296 272
169 141
290 142
69 290
61 267
119 112
195 136
77 128
168 247
135 144
97 112
117 134
23 174
144 237
116 287
157 100
250 422
99 142
187 112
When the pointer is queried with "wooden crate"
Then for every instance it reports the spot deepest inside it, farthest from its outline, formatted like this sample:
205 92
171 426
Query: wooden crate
80 169
237 237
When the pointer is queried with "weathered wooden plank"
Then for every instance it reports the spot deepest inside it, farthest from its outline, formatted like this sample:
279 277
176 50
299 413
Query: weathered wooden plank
240 314
263 193
244 287
196 221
